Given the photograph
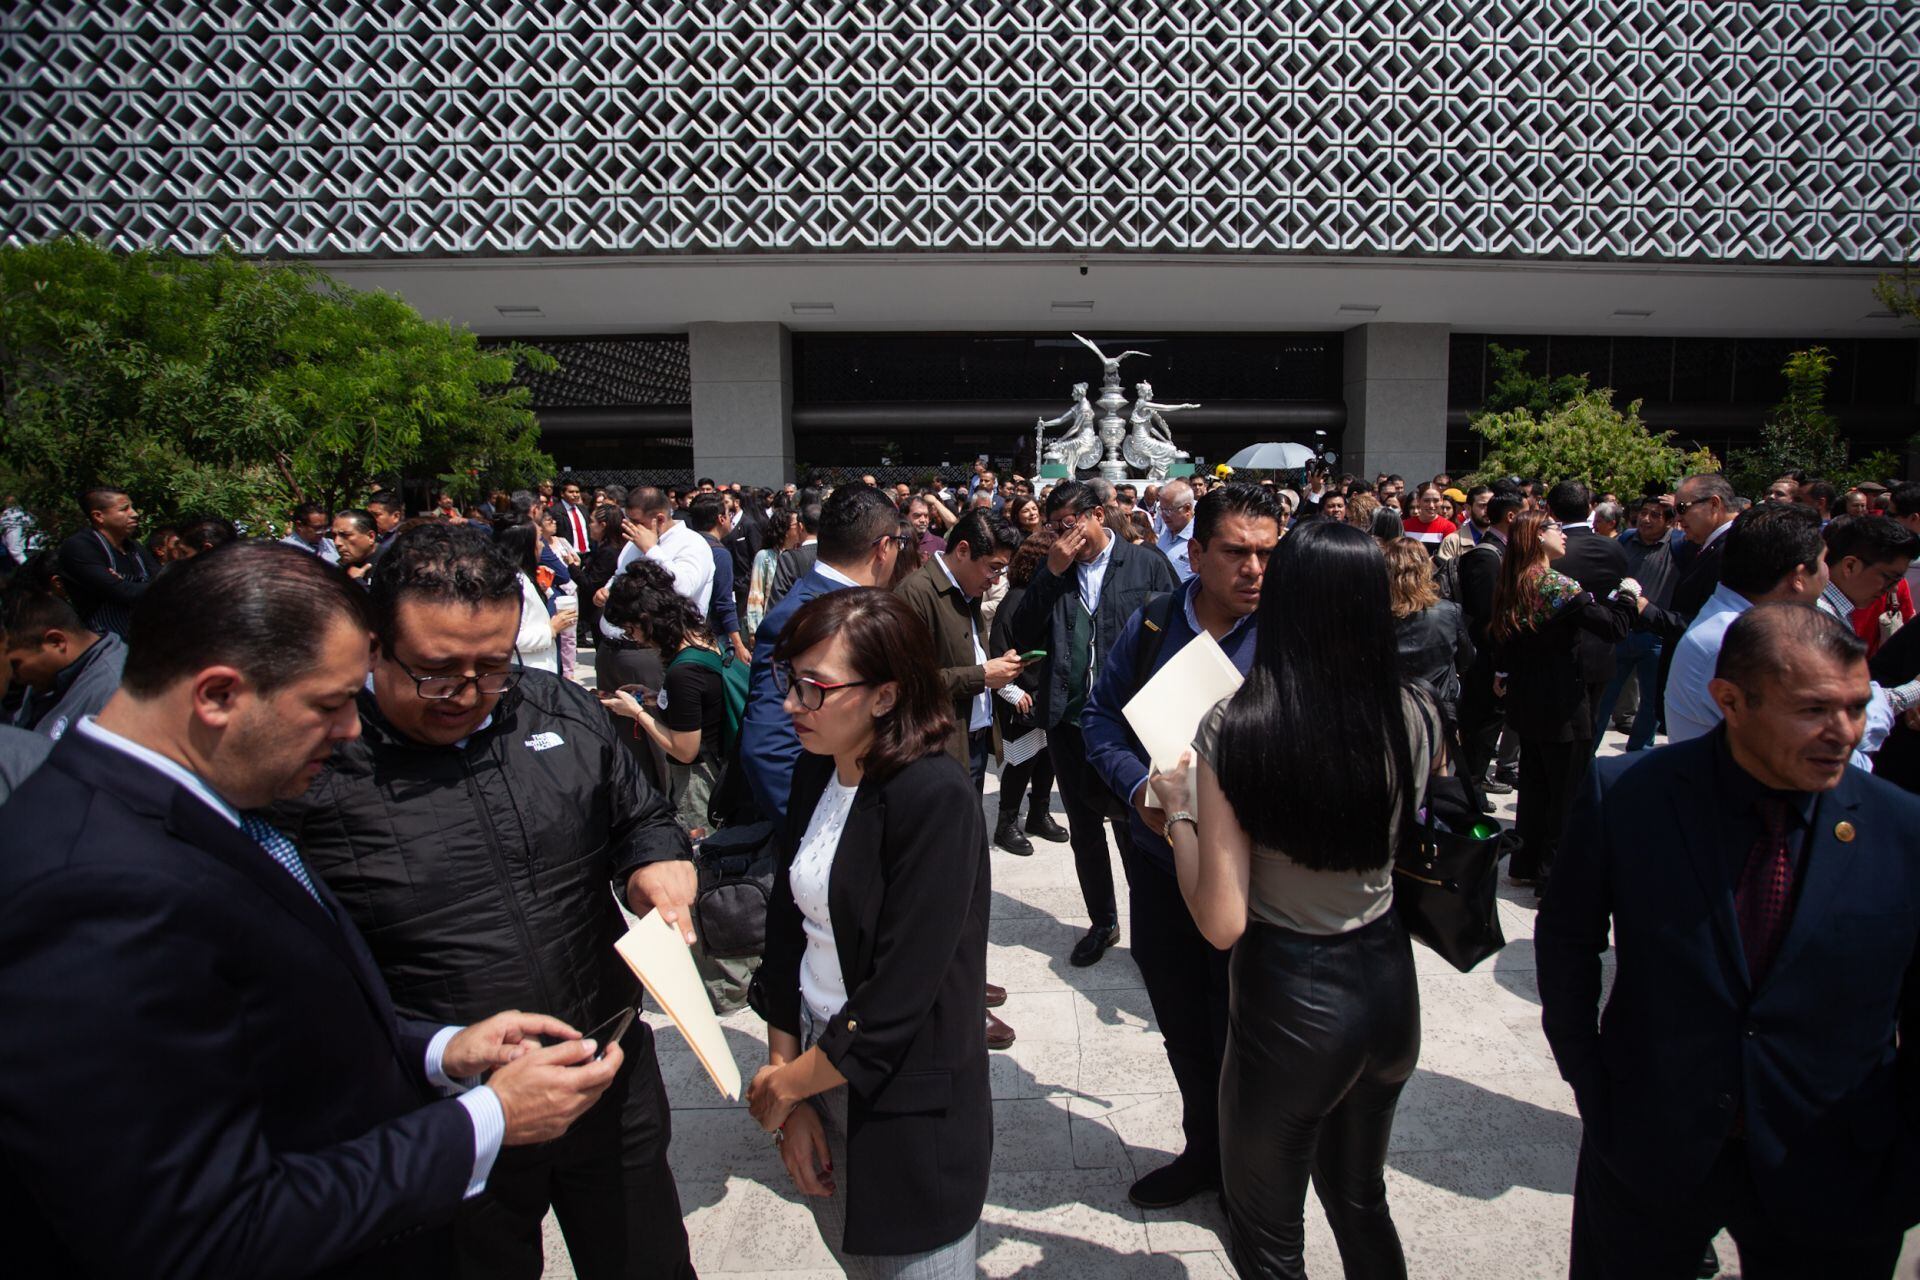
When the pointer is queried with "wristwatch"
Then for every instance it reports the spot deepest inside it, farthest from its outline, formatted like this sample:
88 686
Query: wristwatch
1183 816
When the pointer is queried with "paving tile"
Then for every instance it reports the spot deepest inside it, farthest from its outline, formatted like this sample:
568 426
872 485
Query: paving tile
773 1232
1032 1135
1039 1016
1035 1069
1076 1225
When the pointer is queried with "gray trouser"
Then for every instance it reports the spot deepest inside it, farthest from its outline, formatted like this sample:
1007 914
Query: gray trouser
954 1261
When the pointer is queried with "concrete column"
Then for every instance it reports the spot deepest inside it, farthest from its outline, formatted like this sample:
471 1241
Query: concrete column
742 377
1396 391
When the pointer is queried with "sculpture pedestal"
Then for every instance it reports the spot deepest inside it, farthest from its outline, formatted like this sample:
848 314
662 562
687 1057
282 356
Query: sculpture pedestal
1115 472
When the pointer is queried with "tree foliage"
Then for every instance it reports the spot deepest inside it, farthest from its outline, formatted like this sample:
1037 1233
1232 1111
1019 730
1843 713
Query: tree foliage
1586 438
222 385
1514 388
1799 434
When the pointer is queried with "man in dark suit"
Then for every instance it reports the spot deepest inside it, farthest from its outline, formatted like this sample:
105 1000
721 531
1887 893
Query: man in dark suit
571 514
795 564
1482 714
1075 607
1754 1065
1597 563
104 567
1704 505
215 1082
858 545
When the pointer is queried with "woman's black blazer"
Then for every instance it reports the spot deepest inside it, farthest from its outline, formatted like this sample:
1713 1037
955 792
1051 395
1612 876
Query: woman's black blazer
909 895
1548 699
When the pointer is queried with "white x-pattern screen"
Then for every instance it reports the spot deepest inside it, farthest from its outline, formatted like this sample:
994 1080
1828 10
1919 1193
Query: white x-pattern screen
1634 130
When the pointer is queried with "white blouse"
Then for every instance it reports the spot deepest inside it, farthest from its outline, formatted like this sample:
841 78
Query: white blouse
821 984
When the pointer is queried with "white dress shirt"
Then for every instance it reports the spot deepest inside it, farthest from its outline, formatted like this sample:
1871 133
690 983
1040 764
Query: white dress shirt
687 556
323 548
1093 575
482 1103
982 717
822 985
1175 547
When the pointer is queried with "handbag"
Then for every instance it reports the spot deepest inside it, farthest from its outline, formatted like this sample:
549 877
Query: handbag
736 867
1444 885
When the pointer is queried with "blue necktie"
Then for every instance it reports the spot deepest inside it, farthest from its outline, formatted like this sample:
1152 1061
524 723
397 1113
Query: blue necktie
281 850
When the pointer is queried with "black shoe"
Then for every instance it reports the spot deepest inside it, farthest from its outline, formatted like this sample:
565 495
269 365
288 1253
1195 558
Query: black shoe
1046 828
1089 949
1709 1264
1007 836
1500 785
1173 1184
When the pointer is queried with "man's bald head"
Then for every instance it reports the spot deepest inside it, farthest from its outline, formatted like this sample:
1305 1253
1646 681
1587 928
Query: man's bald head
1176 504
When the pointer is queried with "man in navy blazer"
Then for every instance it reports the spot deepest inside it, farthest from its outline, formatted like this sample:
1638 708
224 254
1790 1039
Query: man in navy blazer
859 545
207 1077
1753 1067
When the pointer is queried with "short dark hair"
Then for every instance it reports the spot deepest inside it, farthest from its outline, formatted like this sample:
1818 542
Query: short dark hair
1818 491
886 641
441 562
851 521
1766 543
1570 501
391 503
26 611
1758 644
261 607
360 519
1506 500
1904 500
100 497
305 509
705 511
1238 499
703 480
648 500
205 533
644 598
1073 496
984 533
1874 539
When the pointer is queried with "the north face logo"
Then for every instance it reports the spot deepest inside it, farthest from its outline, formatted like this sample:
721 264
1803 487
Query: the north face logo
545 741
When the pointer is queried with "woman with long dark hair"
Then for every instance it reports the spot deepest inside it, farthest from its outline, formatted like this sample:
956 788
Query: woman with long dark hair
1539 614
1284 841
874 981
540 625
1020 731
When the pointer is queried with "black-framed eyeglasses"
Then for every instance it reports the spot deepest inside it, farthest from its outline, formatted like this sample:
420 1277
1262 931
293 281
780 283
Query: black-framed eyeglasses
901 540
1680 508
812 693
489 684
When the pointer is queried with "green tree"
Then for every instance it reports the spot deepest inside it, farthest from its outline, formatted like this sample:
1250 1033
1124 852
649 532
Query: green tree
1514 388
219 384
1587 439
1799 435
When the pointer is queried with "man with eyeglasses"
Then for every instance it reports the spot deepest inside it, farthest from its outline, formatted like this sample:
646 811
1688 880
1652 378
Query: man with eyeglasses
472 831
1176 526
1074 609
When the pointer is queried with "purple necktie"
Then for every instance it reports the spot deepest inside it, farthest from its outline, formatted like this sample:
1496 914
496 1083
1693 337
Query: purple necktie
1762 899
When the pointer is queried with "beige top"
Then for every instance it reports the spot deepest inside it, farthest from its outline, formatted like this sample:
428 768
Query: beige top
1283 892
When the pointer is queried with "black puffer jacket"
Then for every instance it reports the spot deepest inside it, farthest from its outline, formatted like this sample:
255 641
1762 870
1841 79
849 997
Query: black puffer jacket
479 874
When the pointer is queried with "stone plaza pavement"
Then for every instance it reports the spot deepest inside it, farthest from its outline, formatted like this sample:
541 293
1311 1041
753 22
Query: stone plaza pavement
1480 1175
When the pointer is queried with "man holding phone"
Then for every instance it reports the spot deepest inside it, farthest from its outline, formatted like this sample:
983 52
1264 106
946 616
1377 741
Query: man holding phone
474 829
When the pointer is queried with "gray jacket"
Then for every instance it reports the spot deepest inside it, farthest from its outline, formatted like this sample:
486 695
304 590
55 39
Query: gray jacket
81 690
21 752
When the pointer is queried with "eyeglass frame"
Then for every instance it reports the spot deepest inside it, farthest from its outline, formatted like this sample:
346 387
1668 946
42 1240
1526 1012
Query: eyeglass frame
512 675
785 678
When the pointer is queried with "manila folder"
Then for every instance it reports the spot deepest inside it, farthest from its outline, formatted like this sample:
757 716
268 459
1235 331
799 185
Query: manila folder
1167 711
665 966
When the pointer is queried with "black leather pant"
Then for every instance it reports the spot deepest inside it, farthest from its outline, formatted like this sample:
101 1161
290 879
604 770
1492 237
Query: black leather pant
1324 1033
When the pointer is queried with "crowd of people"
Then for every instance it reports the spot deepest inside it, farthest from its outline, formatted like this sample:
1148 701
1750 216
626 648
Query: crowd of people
322 822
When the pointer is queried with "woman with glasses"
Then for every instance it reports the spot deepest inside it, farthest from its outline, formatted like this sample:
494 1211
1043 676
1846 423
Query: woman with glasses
875 970
1539 615
1305 786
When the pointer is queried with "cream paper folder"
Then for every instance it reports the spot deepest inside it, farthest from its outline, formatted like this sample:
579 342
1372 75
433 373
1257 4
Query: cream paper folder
1167 711
660 959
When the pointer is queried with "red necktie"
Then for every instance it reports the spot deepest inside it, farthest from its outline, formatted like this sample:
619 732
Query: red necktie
1763 899
579 528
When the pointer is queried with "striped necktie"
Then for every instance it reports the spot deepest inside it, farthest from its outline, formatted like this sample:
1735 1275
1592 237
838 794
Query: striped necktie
1764 897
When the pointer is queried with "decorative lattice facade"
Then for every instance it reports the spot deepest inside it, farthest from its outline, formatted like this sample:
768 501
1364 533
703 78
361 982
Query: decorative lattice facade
1646 130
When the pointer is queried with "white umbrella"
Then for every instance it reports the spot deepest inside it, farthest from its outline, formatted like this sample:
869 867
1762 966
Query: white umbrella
1275 455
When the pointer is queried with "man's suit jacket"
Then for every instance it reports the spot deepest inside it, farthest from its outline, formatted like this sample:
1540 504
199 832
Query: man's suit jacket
1699 581
768 744
953 620
1598 564
1051 608
1687 1041
206 1076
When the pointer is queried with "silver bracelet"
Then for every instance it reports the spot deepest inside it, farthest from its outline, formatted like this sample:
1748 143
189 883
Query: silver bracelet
1183 816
